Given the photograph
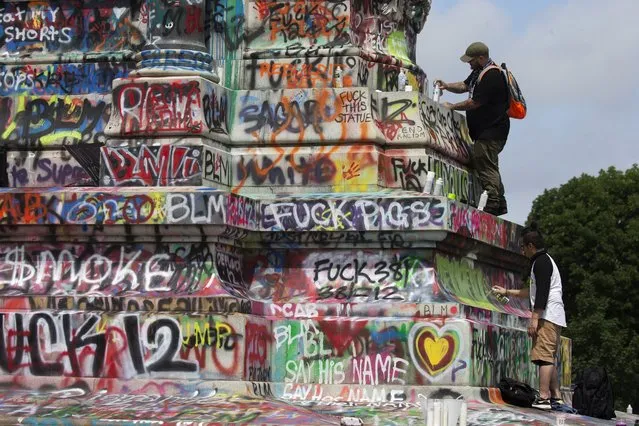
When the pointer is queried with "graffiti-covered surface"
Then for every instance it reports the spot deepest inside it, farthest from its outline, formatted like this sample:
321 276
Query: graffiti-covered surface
134 346
178 402
27 28
220 211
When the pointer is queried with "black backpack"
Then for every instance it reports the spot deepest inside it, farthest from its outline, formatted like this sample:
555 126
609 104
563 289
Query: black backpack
516 393
592 395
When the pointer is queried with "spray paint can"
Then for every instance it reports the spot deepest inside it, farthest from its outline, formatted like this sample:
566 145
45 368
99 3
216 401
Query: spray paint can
483 199
439 186
428 186
437 413
437 92
463 415
501 297
401 80
337 78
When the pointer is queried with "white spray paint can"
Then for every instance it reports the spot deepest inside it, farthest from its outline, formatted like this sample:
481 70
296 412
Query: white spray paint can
437 92
439 186
428 186
483 199
338 78
437 413
401 80
463 415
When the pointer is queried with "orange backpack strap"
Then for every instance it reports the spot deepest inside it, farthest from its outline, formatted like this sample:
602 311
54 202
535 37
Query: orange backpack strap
485 70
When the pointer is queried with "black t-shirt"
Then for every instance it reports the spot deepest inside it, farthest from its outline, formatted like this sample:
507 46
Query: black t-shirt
490 120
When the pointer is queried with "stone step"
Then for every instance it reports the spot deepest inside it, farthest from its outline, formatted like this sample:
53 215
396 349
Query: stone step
193 106
68 401
320 71
322 350
324 277
383 215
202 162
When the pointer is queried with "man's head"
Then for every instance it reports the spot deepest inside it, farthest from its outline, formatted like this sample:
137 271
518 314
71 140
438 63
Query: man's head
477 55
531 240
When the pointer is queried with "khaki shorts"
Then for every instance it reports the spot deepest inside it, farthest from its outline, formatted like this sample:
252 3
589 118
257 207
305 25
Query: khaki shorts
546 343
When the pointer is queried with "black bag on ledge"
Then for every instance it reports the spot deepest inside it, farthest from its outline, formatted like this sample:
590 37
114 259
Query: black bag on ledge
516 393
593 395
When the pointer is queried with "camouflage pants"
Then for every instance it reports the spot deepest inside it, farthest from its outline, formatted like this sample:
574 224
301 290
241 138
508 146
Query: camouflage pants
485 159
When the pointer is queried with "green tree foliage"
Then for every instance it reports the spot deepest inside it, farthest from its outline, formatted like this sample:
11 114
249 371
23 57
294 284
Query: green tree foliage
591 227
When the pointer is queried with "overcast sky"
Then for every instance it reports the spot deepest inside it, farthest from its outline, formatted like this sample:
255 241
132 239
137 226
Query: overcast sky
576 62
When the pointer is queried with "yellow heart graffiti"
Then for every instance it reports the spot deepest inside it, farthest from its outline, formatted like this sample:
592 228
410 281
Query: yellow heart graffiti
433 352
436 349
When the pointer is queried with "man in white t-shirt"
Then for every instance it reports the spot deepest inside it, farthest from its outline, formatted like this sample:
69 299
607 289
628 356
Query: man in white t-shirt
548 316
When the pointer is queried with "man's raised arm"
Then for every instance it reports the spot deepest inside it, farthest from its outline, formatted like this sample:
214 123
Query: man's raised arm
459 87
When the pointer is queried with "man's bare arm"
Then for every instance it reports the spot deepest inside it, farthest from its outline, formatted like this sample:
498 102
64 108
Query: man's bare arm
523 292
459 87
466 105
